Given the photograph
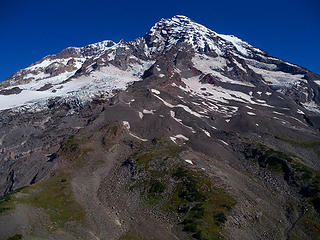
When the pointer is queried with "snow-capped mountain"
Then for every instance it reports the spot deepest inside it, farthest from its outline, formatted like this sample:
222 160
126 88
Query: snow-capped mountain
183 133
98 69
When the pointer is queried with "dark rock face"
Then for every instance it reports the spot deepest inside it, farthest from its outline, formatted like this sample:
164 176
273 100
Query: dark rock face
184 133
14 90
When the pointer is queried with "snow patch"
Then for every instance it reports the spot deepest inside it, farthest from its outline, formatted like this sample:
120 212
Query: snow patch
172 113
206 132
312 106
251 113
182 137
186 108
145 111
126 124
300 112
223 142
139 138
189 161
155 91
277 113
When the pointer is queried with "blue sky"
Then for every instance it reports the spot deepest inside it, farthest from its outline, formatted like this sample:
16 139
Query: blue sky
30 30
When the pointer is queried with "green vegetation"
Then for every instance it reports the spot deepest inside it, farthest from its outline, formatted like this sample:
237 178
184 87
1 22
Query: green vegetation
107 142
74 152
55 196
314 144
15 237
203 207
110 132
130 236
7 202
173 188
294 171
145 155
308 144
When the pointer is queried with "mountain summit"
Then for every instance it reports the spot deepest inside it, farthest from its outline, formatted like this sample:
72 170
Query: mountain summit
180 29
183 133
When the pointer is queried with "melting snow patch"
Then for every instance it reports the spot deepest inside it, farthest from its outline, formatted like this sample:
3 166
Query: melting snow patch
172 113
299 121
218 94
155 91
145 111
164 102
173 139
161 75
251 113
141 115
189 161
260 101
268 93
186 108
259 93
132 100
300 112
126 124
182 137
141 139
224 142
278 113
206 132
257 124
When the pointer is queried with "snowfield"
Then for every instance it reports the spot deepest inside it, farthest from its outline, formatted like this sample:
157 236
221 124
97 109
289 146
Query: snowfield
83 88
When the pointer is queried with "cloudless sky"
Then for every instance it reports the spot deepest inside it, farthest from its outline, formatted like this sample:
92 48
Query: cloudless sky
30 30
